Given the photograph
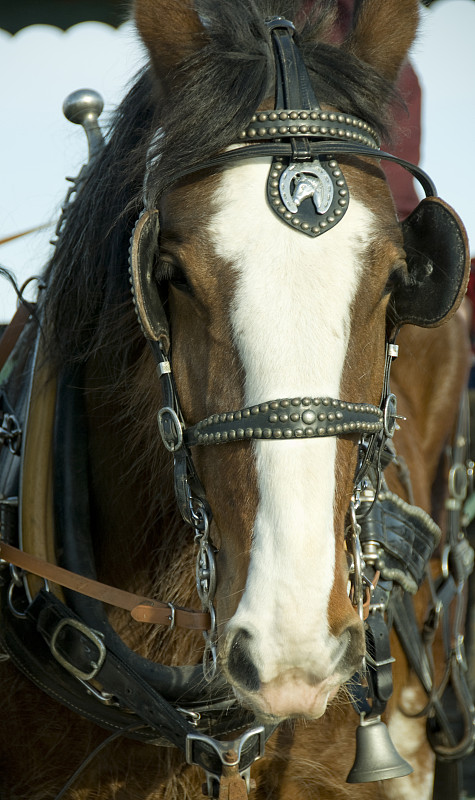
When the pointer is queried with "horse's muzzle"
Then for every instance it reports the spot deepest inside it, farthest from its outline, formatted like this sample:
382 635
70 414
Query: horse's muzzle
295 690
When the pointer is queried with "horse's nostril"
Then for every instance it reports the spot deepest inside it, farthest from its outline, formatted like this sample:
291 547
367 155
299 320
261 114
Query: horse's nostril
240 664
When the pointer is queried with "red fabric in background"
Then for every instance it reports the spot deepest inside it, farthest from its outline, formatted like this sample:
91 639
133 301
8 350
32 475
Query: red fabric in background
407 121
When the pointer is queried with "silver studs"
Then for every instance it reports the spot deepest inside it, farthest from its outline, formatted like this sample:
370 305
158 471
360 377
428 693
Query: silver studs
321 431
262 131
283 130
248 433
332 117
313 115
335 403
322 416
257 433
272 131
332 132
274 405
303 129
332 164
283 115
308 417
298 432
246 412
308 431
240 433
273 116
313 128
217 437
295 401
277 433
326 401
287 433
232 434
323 131
283 417
331 417
273 418
303 115
262 117
305 226
295 417
267 433
251 132
224 436
237 415
255 410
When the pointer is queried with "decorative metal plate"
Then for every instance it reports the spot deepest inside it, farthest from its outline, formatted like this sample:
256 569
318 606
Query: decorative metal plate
310 196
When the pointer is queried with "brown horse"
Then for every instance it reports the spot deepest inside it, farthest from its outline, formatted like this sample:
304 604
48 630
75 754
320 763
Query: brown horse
258 317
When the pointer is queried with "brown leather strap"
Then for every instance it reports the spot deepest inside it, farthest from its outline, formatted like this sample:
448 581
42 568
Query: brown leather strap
142 609
13 331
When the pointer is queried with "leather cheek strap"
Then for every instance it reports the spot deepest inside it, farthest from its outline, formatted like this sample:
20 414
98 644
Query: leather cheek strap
144 248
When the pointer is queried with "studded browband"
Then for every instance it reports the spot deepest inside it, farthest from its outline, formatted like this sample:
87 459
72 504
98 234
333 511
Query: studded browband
287 419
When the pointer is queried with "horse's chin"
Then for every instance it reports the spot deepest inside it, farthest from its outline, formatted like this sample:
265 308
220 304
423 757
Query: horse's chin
289 699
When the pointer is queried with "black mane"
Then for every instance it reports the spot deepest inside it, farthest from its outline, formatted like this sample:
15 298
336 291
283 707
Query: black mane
87 303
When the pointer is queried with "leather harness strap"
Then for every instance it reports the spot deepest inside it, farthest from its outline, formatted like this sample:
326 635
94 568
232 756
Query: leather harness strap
142 609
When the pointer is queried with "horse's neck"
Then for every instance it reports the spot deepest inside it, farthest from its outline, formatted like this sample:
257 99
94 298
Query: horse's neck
140 542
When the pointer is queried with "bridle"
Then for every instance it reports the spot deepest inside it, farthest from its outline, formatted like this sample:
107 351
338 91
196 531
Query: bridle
301 138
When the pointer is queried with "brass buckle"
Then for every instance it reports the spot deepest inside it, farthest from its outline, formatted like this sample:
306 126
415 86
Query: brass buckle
93 636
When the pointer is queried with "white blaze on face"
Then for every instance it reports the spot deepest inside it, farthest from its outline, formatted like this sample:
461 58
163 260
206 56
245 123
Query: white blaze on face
291 322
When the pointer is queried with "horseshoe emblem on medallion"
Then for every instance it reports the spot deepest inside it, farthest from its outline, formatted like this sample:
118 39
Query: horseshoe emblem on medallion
298 182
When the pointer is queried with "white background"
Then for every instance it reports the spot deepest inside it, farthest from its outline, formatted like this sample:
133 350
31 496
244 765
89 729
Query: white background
41 64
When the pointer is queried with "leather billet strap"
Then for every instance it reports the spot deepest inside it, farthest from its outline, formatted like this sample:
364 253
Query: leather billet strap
142 609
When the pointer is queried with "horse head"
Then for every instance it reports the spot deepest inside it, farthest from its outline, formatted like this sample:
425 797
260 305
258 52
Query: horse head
276 324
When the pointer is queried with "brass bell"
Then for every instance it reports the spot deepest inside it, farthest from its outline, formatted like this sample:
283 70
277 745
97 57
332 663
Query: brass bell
376 757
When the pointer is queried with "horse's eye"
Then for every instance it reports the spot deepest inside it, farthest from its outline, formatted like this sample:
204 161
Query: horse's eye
172 272
179 280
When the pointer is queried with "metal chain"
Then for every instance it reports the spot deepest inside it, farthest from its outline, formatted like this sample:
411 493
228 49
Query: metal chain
206 588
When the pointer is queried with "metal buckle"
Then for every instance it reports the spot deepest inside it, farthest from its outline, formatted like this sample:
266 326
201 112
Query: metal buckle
170 429
93 636
223 750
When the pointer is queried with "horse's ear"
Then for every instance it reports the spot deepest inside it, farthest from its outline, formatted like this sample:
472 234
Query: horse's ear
383 33
171 31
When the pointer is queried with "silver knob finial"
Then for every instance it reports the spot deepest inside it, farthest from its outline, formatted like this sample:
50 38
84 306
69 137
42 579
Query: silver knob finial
84 107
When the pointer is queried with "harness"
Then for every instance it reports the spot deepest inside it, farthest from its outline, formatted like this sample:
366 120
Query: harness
63 642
